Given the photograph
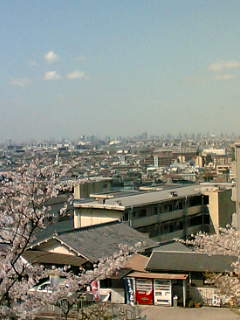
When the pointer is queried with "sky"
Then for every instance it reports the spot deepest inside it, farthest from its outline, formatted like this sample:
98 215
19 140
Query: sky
111 68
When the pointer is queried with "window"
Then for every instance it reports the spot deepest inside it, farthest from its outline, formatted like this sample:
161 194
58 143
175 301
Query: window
155 230
172 226
125 216
195 201
206 219
179 225
142 213
194 221
106 283
205 200
167 207
180 206
165 228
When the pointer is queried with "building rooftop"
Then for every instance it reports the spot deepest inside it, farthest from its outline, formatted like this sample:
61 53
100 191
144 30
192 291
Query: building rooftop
137 262
189 261
98 241
173 246
141 198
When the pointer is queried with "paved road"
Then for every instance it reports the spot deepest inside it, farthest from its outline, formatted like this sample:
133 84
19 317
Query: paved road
165 313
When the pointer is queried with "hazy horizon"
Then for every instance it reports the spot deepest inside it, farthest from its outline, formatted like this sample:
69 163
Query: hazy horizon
118 68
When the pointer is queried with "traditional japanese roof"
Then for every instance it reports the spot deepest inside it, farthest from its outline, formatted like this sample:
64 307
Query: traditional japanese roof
97 241
189 261
137 262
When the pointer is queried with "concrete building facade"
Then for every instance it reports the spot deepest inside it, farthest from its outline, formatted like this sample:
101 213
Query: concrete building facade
91 186
164 214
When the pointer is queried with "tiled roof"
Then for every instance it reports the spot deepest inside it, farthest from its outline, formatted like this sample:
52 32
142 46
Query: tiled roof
189 261
103 240
98 241
137 262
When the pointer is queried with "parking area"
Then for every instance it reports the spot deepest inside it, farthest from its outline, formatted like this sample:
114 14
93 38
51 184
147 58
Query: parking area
204 313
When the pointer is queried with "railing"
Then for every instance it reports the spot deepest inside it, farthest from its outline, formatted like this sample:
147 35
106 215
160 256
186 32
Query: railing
165 216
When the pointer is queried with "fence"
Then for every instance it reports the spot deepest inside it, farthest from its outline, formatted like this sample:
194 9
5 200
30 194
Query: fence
92 311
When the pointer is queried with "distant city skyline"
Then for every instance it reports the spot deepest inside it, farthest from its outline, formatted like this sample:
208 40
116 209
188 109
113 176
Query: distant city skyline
167 137
118 68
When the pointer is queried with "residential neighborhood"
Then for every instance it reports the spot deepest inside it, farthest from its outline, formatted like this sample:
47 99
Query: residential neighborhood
103 215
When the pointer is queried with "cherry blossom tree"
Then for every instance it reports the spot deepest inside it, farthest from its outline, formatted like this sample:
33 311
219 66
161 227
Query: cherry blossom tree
24 193
225 242
75 285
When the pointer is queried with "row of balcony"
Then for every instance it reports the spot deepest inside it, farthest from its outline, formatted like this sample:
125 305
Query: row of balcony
157 218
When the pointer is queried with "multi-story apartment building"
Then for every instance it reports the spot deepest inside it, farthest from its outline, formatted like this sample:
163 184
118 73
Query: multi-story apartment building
165 214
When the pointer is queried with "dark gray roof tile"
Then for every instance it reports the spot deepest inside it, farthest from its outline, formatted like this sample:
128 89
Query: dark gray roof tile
189 261
97 241
103 240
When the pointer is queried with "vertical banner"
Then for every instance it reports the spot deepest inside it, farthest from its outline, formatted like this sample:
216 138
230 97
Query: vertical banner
95 290
129 290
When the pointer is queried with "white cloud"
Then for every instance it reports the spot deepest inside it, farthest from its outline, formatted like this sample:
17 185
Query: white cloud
223 65
225 76
52 75
51 57
76 75
21 82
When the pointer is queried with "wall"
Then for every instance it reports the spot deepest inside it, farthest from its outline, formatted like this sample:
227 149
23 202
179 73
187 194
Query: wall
86 217
226 207
221 207
83 190
56 247
213 210
206 295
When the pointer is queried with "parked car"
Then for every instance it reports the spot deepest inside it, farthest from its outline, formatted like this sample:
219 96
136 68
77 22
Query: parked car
43 287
